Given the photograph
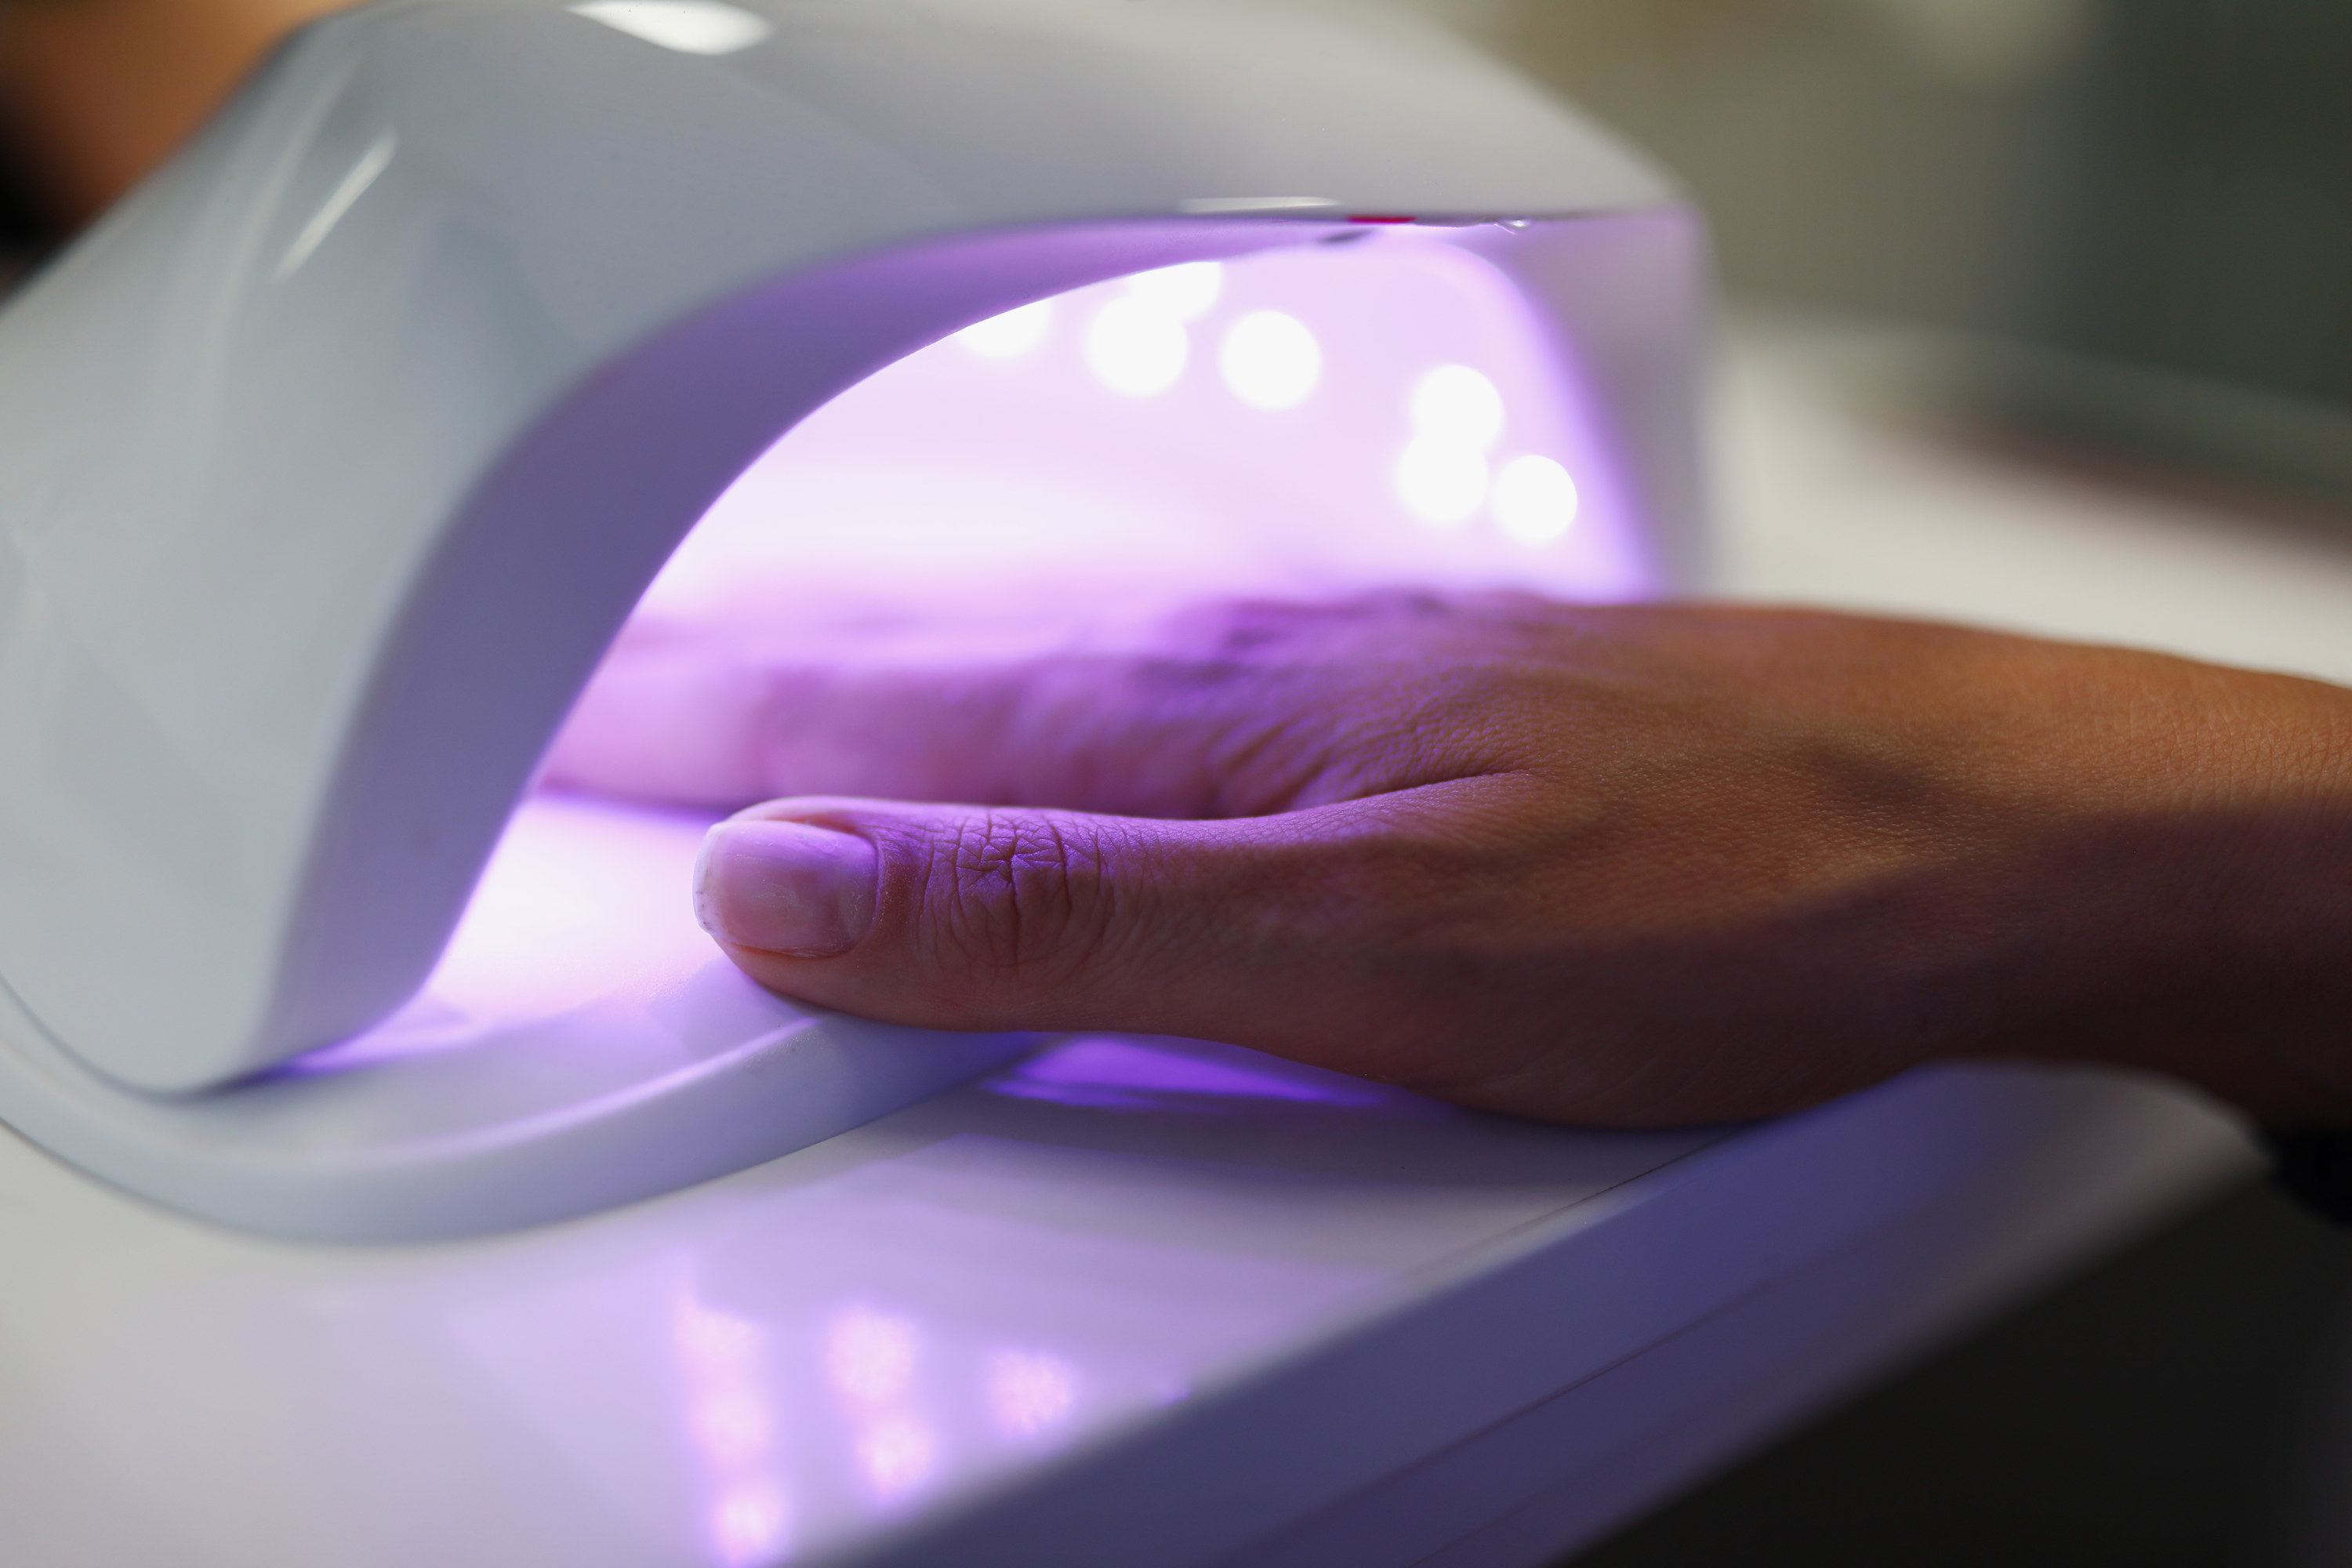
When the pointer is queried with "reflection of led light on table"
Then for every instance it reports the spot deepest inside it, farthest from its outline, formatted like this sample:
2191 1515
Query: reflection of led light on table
1187 292
1011 334
1136 348
720 1354
898 1455
1028 1392
750 1527
1270 361
1534 500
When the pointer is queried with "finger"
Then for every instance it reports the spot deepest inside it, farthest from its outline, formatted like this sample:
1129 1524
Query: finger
1087 732
1238 710
1286 933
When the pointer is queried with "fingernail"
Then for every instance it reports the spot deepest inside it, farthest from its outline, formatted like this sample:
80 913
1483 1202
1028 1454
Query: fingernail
785 887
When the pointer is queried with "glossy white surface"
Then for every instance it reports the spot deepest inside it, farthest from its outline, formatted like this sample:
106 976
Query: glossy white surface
331 458
582 1043
1228 1291
790 1361
1134 1302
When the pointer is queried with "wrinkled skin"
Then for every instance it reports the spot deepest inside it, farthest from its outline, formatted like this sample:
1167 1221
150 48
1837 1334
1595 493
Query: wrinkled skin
1631 865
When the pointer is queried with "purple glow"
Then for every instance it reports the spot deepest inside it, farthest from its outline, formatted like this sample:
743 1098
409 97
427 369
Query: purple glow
583 901
1377 414
732 1426
1063 477
899 1453
1029 1393
870 1361
1114 1073
869 1356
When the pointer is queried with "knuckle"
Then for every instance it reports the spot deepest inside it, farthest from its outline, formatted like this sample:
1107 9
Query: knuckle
1017 896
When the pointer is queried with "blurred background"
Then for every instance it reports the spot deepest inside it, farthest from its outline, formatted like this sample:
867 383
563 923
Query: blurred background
2133 219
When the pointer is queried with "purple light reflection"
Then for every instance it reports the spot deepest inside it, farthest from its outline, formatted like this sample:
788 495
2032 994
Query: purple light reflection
989 498
899 1453
1115 1074
870 1359
1066 475
869 1356
731 1422
1029 1392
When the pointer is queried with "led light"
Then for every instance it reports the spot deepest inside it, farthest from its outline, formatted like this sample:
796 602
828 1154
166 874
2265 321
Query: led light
689 27
1187 292
1534 500
1455 405
1270 361
1135 348
1011 334
1443 483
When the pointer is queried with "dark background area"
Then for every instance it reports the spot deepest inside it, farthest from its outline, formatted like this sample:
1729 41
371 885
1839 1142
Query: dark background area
2209 227
2186 1405
2131 220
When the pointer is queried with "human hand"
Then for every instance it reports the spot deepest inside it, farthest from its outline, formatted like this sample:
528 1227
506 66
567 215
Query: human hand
1622 866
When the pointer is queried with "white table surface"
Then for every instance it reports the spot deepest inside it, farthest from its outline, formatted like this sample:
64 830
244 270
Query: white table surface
1153 1304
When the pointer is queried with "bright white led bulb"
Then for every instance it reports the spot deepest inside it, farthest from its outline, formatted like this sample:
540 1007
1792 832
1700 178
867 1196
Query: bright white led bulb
1444 483
1270 361
1011 334
1534 500
1135 348
1187 291
1455 405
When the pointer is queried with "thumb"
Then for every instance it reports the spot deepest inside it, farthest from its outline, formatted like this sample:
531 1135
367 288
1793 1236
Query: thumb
1252 930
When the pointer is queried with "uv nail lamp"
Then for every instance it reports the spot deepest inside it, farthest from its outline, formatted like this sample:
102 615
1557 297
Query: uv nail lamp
334 460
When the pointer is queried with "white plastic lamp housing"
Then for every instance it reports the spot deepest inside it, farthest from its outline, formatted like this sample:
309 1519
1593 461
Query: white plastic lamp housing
334 459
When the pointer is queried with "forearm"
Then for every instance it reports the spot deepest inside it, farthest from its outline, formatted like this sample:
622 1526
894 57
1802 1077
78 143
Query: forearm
2215 939
2190 877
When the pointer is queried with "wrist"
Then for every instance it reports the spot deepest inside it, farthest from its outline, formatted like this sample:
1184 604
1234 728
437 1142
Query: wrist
2200 889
